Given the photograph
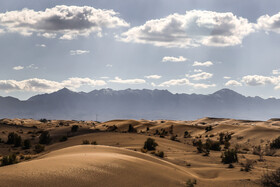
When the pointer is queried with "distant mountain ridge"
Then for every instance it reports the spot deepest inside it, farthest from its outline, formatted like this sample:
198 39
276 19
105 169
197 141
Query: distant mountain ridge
139 104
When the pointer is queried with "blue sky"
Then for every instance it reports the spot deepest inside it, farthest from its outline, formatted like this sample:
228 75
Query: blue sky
193 46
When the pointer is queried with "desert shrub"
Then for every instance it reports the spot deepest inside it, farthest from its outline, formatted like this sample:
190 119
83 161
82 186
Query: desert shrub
10 159
43 120
14 138
209 128
227 144
93 143
186 134
85 142
160 154
150 144
131 128
221 138
45 138
112 128
229 156
248 165
174 138
269 152
271 179
213 145
190 183
230 165
63 139
74 128
171 129
38 148
199 145
257 150
26 144
275 144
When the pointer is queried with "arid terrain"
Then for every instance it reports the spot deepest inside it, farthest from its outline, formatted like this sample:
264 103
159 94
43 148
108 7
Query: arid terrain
114 153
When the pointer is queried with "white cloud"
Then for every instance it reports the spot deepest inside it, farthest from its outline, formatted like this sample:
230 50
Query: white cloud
66 21
256 80
201 76
32 66
227 77
78 52
233 83
205 64
197 70
269 23
186 82
43 85
153 76
174 59
104 77
127 81
109 65
41 45
18 68
275 72
192 29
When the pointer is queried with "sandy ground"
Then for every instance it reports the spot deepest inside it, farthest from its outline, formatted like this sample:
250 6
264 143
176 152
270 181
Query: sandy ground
117 160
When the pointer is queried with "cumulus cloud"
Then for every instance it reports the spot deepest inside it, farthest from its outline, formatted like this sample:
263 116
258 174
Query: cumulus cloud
66 21
192 29
32 66
153 76
18 68
205 64
200 76
269 23
78 52
227 77
127 81
256 80
186 82
197 70
275 72
174 59
43 85
41 45
233 83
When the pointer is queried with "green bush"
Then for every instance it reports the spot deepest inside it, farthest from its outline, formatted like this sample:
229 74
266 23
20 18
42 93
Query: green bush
160 154
39 148
150 144
275 144
74 128
10 159
45 138
229 156
131 128
271 179
14 138
26 144
63 139
85 142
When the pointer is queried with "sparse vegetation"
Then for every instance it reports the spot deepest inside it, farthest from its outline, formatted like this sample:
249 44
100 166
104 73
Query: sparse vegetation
43 120
209 128
160 154
150 144
14 138
26 144
38 148
229 156
10 159
45 138
85 142
74 128
271 179
63 139
131 129
275 144
93 143
191 183
248 165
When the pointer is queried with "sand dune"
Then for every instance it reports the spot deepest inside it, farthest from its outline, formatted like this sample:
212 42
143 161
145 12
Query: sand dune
93 166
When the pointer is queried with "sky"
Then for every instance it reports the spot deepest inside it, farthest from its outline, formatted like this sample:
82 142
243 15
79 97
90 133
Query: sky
184 46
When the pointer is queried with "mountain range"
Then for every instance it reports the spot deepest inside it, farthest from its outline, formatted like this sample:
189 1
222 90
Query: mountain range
106 104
